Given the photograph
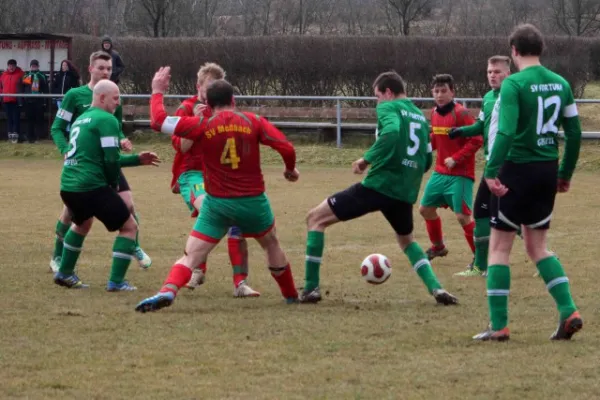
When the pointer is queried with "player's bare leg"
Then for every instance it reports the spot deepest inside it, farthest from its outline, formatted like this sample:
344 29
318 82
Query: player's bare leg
199 273
434 230
196 253
73 243
62 227
468 224
142 258
279 265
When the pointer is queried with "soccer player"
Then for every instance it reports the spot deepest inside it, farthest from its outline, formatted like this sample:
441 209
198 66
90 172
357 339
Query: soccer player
398 159
523 174
89 183
74 103
189 180
498 68
235 189
451 183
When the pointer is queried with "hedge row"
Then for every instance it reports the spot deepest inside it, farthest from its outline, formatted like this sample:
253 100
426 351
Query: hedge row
305 65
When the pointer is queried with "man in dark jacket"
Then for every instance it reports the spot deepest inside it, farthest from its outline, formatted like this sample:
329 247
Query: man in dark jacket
117 63
34 82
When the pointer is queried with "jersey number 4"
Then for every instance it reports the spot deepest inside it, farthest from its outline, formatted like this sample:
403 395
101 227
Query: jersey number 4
548 126
73 142
229 155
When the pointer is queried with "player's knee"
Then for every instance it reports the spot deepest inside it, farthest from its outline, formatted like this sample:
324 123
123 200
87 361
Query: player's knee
463 219
404 240
312 218
427 212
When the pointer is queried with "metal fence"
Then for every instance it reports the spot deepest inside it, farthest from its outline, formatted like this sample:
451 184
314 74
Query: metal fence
337 125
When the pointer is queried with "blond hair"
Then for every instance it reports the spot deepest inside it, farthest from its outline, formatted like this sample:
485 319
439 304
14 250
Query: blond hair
499 60
100 55
210 70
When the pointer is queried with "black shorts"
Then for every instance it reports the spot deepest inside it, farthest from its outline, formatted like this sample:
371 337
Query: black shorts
123 184
103 203
359 200
530 198
483 198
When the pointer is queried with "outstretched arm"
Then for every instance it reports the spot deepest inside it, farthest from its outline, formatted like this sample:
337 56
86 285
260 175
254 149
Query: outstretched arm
274 138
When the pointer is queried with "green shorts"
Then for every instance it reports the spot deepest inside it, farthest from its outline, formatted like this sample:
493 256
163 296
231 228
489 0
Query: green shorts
191 186
253 216
451 191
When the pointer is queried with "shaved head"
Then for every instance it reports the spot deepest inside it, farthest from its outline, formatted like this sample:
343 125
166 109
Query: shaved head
106 96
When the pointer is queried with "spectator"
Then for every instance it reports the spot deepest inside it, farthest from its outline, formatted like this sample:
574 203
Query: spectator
67 78
10 82
117 63
34 82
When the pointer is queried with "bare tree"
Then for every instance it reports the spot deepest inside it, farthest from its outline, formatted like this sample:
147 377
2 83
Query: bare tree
577 17
410 11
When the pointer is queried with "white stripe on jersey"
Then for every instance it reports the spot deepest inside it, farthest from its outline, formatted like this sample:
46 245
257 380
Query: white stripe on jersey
481 116
570 111
169 125
64 114
429 148
109 141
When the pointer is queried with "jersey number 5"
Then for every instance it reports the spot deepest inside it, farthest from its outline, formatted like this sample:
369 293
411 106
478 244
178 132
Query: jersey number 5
73 142
549 126
229 155
412 149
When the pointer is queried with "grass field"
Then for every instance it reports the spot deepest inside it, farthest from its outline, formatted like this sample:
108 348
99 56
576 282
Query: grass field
361 342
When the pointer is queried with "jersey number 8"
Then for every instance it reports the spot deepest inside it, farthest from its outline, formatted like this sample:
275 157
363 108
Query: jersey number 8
73 142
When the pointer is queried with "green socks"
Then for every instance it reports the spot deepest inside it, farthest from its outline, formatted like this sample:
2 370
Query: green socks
61 231
123 251
137 232
482 241
498 288
422 267
557 284
71 249
315 242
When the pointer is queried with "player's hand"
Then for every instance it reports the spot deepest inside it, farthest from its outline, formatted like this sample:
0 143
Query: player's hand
199 109
291 176
359 166
563 186
454 133
126 145
450 163
160 82
149 158
496 187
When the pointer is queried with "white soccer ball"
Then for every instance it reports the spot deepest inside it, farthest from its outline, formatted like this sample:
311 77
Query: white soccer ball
376 269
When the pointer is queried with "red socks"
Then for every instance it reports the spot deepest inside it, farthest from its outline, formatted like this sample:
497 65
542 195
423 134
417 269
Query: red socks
238 255
178 277
285 281
434 230
469 228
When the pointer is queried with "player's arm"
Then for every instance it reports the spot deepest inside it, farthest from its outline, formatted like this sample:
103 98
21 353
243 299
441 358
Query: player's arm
390 126
429 155
507 128
473 144
191 128
572 127
180 144
129 160
64 117
109 141
474 129
274 138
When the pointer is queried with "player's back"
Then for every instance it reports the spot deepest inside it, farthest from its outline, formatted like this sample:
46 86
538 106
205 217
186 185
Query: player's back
544 99
231 149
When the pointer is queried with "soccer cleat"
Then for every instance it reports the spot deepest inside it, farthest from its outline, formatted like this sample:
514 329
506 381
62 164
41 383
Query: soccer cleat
441 296
243 290
156 302
119 287
471 270
143 259
499 336
311 296
55 264
197 279
568 327
432 252
69 281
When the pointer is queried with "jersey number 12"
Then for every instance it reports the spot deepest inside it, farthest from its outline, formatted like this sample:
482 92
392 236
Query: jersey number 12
229 154
548 126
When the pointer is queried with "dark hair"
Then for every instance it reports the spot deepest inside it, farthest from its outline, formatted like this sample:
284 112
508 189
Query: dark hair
527 40
72 68
390 80
219 94
443 79
12 61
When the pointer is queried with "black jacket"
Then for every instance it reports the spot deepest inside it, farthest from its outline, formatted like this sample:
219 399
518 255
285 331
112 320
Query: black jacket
118 66
63 81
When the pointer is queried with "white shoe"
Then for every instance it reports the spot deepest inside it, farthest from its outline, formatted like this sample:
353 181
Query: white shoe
55 264
196 280
243 290
143 259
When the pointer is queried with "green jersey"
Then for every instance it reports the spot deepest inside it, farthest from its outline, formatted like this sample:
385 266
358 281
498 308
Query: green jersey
401 153
483 126
75 102
533 104
93 157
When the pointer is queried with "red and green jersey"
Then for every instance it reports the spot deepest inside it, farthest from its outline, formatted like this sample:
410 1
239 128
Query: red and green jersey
230 143
462 150
533 104
401 153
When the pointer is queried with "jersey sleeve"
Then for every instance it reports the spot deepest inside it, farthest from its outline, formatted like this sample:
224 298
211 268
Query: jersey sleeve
119 117
475 129
129 160
274 138
64 117
507 128
389 120
109 141
191 128
429 151
572 127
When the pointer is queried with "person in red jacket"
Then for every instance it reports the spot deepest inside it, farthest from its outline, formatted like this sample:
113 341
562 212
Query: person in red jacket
189 180
10 82
451 183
